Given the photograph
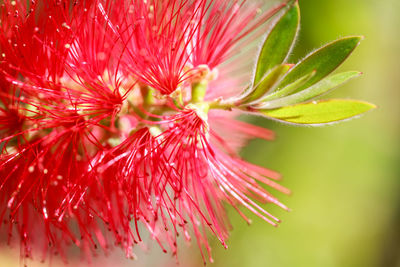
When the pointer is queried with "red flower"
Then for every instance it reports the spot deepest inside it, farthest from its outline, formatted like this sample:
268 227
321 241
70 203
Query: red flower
202 177
166 43
92 149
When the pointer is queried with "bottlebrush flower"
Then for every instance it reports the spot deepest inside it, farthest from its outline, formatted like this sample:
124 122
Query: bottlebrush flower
166 43
118 118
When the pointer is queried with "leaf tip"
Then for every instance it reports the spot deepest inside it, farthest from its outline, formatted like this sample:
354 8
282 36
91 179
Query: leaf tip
356 74
372 106
367 104
359 38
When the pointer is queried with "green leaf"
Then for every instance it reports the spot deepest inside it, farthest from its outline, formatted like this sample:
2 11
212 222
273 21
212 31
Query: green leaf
319 112
266 83
289 88
323 61
311 92
279 42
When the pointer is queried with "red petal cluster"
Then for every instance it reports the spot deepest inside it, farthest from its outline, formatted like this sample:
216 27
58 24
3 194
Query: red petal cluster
69 74
163 37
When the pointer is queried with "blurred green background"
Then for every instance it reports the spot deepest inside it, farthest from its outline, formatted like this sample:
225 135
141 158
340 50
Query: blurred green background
345 178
